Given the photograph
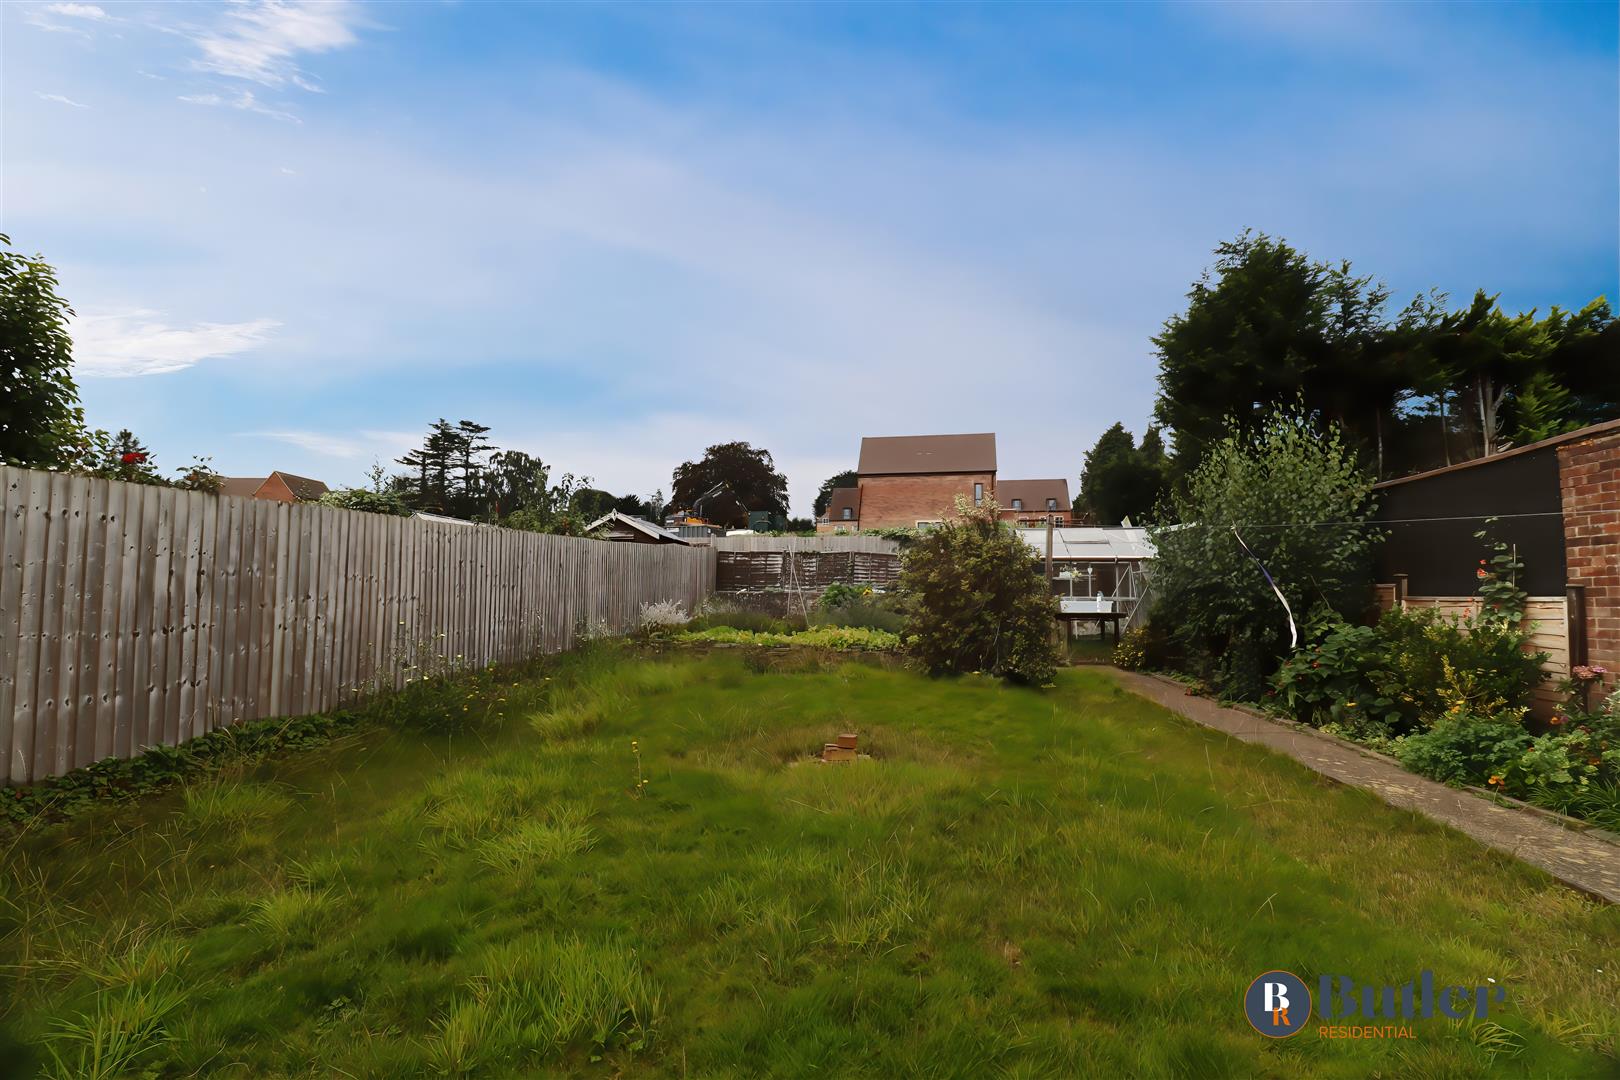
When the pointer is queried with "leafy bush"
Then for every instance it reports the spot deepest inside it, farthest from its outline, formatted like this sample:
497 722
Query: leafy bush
1451 664
1414 668
866 615
1218 606
663 615
838 595
1341 680
858 605
367 501
1143 648
976 601
1465 749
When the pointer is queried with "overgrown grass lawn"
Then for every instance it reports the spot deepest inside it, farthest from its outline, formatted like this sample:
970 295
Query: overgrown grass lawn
1069 882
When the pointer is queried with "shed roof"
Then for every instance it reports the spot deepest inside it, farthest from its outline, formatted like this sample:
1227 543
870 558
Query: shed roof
1091 544
641 525
1034 493
890 455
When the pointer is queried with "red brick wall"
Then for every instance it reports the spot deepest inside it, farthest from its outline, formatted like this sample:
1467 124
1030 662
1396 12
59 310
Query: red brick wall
902 501
1589 478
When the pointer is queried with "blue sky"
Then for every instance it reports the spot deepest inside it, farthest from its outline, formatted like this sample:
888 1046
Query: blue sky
296 234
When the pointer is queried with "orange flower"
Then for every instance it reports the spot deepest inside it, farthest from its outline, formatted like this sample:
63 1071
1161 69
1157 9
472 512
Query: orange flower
1495 781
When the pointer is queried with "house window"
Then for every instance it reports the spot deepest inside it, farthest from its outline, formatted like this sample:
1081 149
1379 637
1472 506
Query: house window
1018 504
1058 521
1051 504
849 513
978 494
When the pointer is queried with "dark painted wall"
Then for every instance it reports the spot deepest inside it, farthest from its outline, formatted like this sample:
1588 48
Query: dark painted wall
1441 557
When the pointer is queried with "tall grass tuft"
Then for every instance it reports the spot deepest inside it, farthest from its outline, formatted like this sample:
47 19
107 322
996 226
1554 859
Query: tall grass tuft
231 806
559 833
124 1035
293 914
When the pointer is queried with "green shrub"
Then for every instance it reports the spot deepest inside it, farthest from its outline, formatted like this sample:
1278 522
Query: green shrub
1444 664
976 600
754 621
869 614
371 502
1220 610
838 595
1465 749
1341 680
1143 648
1411 670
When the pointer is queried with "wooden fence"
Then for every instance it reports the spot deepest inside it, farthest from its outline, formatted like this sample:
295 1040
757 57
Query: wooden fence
815 570
132 616
827 542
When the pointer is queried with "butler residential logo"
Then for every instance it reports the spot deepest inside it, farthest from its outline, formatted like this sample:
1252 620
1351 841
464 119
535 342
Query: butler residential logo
1279 1004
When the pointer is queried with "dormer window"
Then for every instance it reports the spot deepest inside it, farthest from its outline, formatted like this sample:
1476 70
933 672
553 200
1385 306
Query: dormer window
1051 504
1018 504
849 513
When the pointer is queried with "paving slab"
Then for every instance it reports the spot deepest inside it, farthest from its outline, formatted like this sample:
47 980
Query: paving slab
1585 860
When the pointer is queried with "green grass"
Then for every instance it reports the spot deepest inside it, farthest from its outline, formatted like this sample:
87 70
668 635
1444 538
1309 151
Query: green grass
1019 883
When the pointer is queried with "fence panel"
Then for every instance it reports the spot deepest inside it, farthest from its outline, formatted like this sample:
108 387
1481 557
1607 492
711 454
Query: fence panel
133 615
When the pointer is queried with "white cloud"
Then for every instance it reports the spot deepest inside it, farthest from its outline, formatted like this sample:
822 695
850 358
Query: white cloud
366 445
60 100
78 11
244 101
261 42
40 17
139 342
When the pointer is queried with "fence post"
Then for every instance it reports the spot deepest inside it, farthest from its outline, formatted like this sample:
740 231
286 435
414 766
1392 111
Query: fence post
1575 623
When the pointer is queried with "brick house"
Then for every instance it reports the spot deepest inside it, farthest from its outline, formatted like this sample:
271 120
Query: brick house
1556 501
280 486
905 481
1034 503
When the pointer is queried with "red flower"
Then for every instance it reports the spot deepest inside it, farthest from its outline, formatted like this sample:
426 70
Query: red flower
1481 573
133 457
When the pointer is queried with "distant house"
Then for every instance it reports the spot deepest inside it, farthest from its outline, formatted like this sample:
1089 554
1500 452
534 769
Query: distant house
280 486
906 481
1034 503
625 529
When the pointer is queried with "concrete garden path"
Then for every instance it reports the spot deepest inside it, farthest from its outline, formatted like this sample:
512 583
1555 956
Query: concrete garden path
1582 859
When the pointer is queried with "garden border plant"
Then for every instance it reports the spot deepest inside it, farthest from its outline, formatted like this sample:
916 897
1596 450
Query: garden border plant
1448 697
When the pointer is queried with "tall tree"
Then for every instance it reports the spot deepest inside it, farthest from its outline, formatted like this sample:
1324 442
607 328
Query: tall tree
847 478
747 473
1120 479
41 422
1253 334
522 495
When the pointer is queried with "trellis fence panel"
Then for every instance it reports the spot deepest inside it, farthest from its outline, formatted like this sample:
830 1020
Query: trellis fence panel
132 615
